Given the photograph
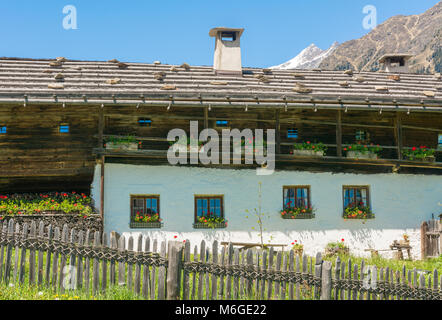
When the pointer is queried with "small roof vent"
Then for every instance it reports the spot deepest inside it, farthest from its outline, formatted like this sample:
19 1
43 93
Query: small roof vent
227 57
396 62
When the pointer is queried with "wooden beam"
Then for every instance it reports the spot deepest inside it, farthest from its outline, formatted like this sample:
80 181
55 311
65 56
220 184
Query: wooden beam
278 132
398 135
339 133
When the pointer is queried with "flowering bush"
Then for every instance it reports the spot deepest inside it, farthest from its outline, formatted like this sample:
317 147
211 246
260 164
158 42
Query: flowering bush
418 153
297 246
364 148
154 217
292 213
17 204
310 146
337 245
357 212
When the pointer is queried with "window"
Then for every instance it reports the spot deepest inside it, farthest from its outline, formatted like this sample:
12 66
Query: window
361 135
209 212
145 210
296 197
222 123
292 133
356 197
64 128
357 202
439 141
3 129
144 122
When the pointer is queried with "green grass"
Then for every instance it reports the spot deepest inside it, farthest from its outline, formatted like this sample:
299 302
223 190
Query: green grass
27 292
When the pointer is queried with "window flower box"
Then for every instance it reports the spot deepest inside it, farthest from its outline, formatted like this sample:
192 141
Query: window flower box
363 151
358 213
297 213
145 225
308 153
361 155
308 149
127 143
215 225
422 154
210 222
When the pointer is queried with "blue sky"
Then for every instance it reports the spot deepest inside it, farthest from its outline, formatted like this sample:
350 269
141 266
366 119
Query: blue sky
175 31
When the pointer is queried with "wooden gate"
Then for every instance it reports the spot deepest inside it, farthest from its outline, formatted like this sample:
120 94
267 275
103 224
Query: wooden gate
431 240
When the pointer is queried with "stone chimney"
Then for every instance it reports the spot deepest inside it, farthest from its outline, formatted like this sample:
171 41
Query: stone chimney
396 62
227 57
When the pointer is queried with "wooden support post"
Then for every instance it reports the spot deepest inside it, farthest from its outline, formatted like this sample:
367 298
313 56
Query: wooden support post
206 118
424 229
398 135
100 127
103 159
174 256
326 286
278 132
339 133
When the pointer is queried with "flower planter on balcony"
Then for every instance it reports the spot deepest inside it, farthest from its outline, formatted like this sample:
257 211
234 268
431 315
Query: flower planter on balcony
219 225
130 146
308 153
145 225
362 155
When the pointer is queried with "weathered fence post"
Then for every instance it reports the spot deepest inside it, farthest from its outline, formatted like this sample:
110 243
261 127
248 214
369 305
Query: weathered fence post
318 273
326 282
424 229
174 268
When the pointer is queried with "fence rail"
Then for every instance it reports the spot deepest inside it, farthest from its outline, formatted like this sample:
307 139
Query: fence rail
92 262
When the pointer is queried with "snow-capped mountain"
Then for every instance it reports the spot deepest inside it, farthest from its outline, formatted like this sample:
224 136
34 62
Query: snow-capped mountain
309 58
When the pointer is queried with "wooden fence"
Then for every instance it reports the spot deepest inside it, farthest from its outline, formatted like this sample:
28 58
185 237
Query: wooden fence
79 260
431 240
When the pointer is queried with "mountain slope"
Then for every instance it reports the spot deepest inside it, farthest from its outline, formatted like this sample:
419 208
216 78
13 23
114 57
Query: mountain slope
420 35
309 58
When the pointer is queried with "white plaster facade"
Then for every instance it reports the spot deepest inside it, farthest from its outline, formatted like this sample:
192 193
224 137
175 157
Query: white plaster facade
400 202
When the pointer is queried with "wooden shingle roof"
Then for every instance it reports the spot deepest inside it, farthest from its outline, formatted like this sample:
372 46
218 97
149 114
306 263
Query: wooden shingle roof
69 81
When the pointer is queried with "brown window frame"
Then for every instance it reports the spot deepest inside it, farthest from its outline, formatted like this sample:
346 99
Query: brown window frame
309 204
208 197
144 197
367 188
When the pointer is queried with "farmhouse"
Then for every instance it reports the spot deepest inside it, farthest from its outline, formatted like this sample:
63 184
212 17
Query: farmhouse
357 155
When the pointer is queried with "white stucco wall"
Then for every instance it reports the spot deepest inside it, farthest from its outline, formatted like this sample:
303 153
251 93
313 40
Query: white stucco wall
400 202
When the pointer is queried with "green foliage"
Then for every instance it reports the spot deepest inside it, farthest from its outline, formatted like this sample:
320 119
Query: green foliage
211 221
358 212
337 245
23 204
310 146
154 217
291 213
121 140
364 148
418 153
